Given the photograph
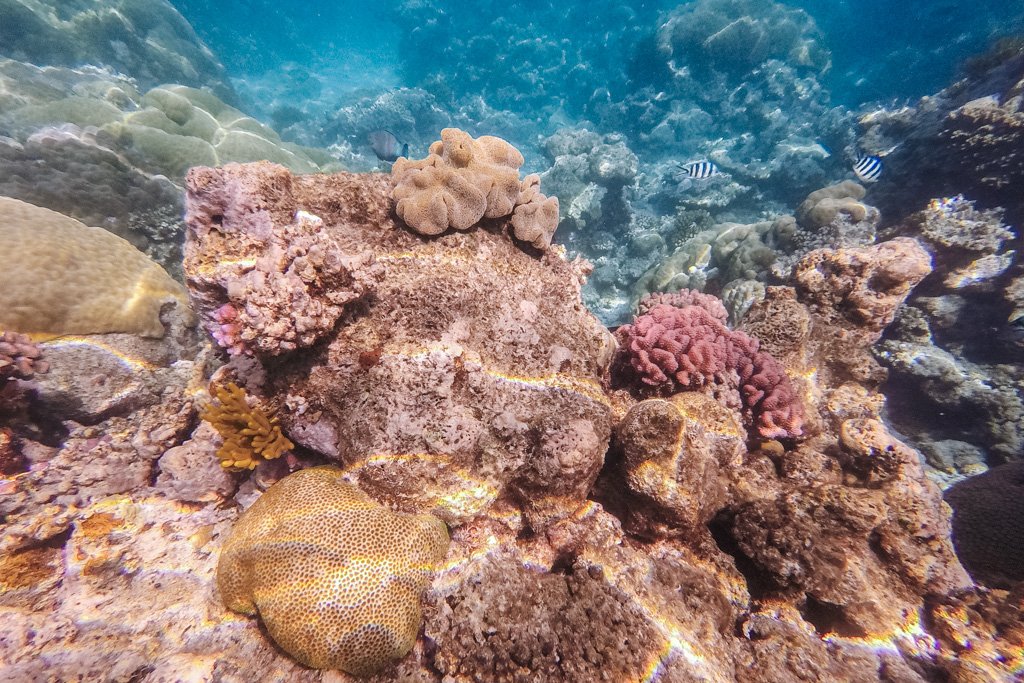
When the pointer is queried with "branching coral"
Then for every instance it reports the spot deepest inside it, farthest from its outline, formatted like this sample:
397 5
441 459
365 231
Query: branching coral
249 433
690 347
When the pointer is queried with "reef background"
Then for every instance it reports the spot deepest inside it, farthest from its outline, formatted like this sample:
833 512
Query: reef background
894 309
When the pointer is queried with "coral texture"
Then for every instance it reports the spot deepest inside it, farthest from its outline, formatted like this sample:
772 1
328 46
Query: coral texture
336 578
146 39
683 298
455 383
262 290
63 277
535 217
863 285
249 433
19 357
691 348
461 181
822 206
673 453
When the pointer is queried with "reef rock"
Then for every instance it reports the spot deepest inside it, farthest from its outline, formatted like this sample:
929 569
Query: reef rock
863 285
461 373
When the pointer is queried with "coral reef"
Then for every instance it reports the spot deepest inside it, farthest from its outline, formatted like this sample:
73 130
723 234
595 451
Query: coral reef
863 286
88 143
935 352
63 277
962 140
988 512
461 375
336 578
248 432
690 347
262 290
145 39
454 354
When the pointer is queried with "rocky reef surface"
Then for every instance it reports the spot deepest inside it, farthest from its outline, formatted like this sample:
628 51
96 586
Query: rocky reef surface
598 531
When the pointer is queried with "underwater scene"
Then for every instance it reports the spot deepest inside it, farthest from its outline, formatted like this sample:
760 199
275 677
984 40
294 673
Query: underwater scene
524 341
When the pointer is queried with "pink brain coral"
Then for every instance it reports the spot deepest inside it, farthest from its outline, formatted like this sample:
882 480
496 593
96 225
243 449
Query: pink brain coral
689 347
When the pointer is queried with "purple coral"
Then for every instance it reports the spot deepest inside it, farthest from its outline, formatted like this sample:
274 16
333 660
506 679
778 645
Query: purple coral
689 347
683 298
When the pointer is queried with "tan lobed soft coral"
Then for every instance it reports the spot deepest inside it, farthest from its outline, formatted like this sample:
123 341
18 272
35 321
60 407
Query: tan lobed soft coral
249 433
822 206
535 217
336 578
461 181
59 276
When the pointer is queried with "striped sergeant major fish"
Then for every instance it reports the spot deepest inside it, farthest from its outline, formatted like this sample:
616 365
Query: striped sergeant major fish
698 170
867 168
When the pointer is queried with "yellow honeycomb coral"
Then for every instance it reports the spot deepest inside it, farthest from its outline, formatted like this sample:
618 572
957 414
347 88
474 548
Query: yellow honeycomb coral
59 276
249 433
336 578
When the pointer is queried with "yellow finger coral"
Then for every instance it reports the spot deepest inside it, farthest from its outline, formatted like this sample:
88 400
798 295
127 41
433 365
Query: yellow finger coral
336 578
249 433
461 181
59 276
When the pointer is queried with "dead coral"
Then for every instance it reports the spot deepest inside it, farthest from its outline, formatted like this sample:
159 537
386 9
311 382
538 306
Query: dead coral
249 433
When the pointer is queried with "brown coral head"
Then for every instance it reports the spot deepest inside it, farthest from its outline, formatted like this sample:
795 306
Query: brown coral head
20 358
250 434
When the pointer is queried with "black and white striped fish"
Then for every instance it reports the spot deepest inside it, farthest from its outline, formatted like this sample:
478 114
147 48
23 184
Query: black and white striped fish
698 170
867 168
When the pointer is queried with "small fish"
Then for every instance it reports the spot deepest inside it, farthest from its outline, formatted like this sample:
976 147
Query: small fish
867 168
698 170
386 146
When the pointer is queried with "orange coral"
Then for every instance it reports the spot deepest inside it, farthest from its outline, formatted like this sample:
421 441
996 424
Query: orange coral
249 433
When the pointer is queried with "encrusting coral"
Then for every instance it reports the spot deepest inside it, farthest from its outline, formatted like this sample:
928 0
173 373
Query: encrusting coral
59 276
249 433
336 577
689 347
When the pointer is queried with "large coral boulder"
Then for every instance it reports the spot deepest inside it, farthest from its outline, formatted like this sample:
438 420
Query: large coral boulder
451 374
861 287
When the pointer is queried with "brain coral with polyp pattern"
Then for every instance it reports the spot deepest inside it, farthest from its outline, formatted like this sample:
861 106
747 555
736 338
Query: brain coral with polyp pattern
689 347
336 578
